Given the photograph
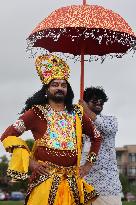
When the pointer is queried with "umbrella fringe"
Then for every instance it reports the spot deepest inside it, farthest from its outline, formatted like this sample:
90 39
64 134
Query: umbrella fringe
101 37
34 52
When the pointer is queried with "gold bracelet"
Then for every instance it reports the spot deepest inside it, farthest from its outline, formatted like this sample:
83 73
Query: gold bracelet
91 157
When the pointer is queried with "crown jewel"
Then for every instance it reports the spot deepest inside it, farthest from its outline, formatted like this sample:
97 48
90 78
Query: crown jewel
51 67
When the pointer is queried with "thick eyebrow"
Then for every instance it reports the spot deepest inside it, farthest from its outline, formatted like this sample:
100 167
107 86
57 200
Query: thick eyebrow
56 82
64 83
53 83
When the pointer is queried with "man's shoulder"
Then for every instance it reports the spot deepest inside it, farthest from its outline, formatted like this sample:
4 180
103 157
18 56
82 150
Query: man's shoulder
78 107
107 117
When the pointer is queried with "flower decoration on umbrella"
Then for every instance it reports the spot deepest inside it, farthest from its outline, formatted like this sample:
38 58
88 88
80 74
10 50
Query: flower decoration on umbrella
69 29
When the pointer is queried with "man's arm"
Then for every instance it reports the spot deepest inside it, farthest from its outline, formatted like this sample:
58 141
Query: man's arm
21 160
24 123
87 111
10 138
104 124
95 137
91 131
107 125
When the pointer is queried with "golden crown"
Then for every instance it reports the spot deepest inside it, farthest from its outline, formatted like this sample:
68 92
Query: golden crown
51 67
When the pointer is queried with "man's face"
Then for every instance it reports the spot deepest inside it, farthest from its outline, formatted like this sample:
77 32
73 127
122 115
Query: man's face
57 90
96 105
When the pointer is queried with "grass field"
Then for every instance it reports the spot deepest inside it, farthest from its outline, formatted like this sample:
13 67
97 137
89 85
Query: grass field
11 203
21 203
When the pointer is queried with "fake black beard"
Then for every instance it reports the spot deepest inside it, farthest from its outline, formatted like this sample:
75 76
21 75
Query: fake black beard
56 98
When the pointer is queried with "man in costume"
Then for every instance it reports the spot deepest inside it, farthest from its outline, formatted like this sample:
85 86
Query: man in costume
104 174
56 125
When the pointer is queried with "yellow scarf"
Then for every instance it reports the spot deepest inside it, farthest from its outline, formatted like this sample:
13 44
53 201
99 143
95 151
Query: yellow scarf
19 163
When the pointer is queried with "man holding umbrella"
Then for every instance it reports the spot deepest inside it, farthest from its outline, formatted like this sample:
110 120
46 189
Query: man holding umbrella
57 126
104 174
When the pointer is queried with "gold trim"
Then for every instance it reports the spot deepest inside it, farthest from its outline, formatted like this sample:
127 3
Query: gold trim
92 157
53 190
17 175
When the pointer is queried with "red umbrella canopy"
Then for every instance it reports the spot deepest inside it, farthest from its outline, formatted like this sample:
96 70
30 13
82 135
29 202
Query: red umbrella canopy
92 28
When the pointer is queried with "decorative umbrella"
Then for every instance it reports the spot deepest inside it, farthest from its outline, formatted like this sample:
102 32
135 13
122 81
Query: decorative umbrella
83 30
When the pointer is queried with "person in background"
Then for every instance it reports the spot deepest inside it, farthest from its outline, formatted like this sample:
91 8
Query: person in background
104 174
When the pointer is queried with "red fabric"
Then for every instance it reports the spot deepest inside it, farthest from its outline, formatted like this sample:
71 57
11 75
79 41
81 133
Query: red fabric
91 45
87 16
56 157
88 129
70 29
38 127
10 131
32 122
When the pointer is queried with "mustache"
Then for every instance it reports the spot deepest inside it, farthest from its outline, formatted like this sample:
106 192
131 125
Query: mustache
59 92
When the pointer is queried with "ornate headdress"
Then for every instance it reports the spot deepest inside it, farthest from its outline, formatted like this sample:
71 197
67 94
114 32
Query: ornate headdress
51 67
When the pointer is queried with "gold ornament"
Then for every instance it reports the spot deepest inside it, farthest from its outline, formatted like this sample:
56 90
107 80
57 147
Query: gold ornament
51 67
91 158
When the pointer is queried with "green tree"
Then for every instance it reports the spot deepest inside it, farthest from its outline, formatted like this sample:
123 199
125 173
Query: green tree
4 159
133 188
19 185
125 184
3 173
3 165
30 143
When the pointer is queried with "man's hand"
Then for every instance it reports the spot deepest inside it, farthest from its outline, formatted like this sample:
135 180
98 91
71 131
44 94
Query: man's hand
87 111
85 169
84 105
39 168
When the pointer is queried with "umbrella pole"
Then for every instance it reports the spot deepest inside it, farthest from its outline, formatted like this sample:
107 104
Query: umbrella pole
84 2
82 69
82 75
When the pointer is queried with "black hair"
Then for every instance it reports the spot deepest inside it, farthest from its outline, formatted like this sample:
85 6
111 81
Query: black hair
95 92
39 98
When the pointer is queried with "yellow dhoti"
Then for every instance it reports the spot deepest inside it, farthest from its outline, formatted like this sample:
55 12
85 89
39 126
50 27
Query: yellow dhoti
61 187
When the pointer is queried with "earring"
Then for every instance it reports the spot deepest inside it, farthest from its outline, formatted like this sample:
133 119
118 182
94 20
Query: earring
46 95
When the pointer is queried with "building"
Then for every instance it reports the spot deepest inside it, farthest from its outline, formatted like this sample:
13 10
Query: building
126 159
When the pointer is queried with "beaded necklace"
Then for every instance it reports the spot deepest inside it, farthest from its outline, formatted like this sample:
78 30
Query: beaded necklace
61 129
